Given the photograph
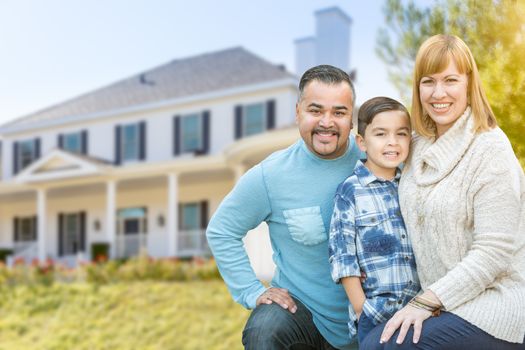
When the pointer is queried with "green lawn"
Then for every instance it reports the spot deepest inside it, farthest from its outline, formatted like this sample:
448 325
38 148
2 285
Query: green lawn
134 315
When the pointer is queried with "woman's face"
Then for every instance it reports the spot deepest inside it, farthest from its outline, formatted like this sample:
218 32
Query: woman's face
444 96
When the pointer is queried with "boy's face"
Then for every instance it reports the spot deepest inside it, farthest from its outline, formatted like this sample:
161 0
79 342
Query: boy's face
386 142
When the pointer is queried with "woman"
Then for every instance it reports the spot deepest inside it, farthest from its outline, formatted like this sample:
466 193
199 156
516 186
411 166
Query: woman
462 196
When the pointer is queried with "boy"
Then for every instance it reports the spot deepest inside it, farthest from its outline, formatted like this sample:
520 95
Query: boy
367 232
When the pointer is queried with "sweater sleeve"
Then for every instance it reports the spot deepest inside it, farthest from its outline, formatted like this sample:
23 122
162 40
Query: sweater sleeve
243 209
495 192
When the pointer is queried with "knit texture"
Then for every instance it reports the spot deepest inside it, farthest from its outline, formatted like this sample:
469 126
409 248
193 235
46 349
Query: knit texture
462 197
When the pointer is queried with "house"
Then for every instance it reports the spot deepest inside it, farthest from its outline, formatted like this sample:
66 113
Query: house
141 164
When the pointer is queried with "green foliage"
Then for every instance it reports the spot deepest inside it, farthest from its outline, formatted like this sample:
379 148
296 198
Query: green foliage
493 30
124 315
136 269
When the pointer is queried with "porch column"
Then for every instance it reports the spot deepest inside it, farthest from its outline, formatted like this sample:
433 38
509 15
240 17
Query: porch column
173 213
42 223
110 217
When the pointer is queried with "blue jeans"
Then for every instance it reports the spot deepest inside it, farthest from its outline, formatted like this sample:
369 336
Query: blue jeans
446 332
270 327
364 326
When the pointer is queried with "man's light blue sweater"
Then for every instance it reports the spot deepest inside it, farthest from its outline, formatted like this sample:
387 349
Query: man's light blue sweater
292 191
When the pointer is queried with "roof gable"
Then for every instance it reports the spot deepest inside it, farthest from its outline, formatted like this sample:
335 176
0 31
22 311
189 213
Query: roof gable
58 165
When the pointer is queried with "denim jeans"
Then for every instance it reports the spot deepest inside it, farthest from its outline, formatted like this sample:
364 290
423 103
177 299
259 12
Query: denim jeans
364 326
446 332
270 327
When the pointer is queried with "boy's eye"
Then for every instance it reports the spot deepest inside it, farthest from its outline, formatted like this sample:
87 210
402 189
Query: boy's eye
380 134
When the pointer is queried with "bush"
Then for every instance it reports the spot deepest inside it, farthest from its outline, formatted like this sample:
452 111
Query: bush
4 253
99 251
136 269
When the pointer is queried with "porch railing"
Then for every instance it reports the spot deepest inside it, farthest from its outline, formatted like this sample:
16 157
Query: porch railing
131 244
192 243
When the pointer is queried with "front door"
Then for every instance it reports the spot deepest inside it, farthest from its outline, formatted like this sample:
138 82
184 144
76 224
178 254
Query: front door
131 230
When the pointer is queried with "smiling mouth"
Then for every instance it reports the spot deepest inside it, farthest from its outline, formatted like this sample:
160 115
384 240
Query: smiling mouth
391 154
440 105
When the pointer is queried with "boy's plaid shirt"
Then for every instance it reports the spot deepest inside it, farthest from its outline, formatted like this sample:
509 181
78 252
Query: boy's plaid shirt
368 234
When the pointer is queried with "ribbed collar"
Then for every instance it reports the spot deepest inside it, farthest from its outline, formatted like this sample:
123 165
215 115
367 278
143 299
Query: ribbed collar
435 159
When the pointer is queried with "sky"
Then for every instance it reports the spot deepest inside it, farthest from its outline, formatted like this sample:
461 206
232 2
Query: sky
54 50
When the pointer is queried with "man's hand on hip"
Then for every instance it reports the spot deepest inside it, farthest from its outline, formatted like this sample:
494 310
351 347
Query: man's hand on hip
279 296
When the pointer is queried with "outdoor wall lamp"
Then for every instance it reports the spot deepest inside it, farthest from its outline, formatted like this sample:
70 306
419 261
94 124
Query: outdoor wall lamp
96 225
160 220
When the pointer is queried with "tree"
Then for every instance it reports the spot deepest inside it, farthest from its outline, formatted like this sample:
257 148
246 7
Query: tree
494 31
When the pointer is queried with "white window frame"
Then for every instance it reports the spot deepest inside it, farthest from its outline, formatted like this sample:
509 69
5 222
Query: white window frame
23 236
20 160
245 118
124 142
68 136
199 117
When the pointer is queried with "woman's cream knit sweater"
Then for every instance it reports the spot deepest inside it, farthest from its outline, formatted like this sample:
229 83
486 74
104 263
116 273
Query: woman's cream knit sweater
463 200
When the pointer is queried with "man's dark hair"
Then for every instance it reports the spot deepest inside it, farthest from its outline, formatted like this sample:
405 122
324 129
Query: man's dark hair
373 107
326 74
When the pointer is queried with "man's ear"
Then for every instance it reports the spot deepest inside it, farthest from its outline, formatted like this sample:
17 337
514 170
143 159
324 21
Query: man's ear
361 143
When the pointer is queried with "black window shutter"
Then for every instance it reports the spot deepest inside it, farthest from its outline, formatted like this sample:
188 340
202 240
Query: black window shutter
60 234
37 149
142 143
117 145
16 229
238 122
15 158
83 231
35 228
176 135
206 132
84 141
204 214
270 114
60 141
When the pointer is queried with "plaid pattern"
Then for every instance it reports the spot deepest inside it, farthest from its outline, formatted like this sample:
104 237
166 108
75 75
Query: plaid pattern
368 234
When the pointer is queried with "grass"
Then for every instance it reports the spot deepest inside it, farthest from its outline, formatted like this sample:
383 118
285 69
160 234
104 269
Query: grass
125 315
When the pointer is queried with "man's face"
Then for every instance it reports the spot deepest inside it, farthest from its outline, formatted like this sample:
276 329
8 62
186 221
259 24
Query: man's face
324 116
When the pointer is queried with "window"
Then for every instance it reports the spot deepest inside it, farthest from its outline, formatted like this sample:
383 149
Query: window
254 121
26 154
71 233
73 142
130 142
191 135
26 229
190 217
255 118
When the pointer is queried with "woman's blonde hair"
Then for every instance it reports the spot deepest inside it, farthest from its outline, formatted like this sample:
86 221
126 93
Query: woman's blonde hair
434 56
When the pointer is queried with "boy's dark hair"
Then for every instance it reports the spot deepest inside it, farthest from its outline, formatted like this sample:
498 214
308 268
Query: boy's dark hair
373 107
326 74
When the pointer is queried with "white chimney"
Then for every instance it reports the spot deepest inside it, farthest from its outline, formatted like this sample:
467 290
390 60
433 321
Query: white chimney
331 44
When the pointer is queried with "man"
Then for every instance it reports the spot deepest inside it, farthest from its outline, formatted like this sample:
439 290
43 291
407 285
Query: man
292 191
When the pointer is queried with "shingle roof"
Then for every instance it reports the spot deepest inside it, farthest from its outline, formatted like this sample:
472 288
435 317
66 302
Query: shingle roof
204 73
